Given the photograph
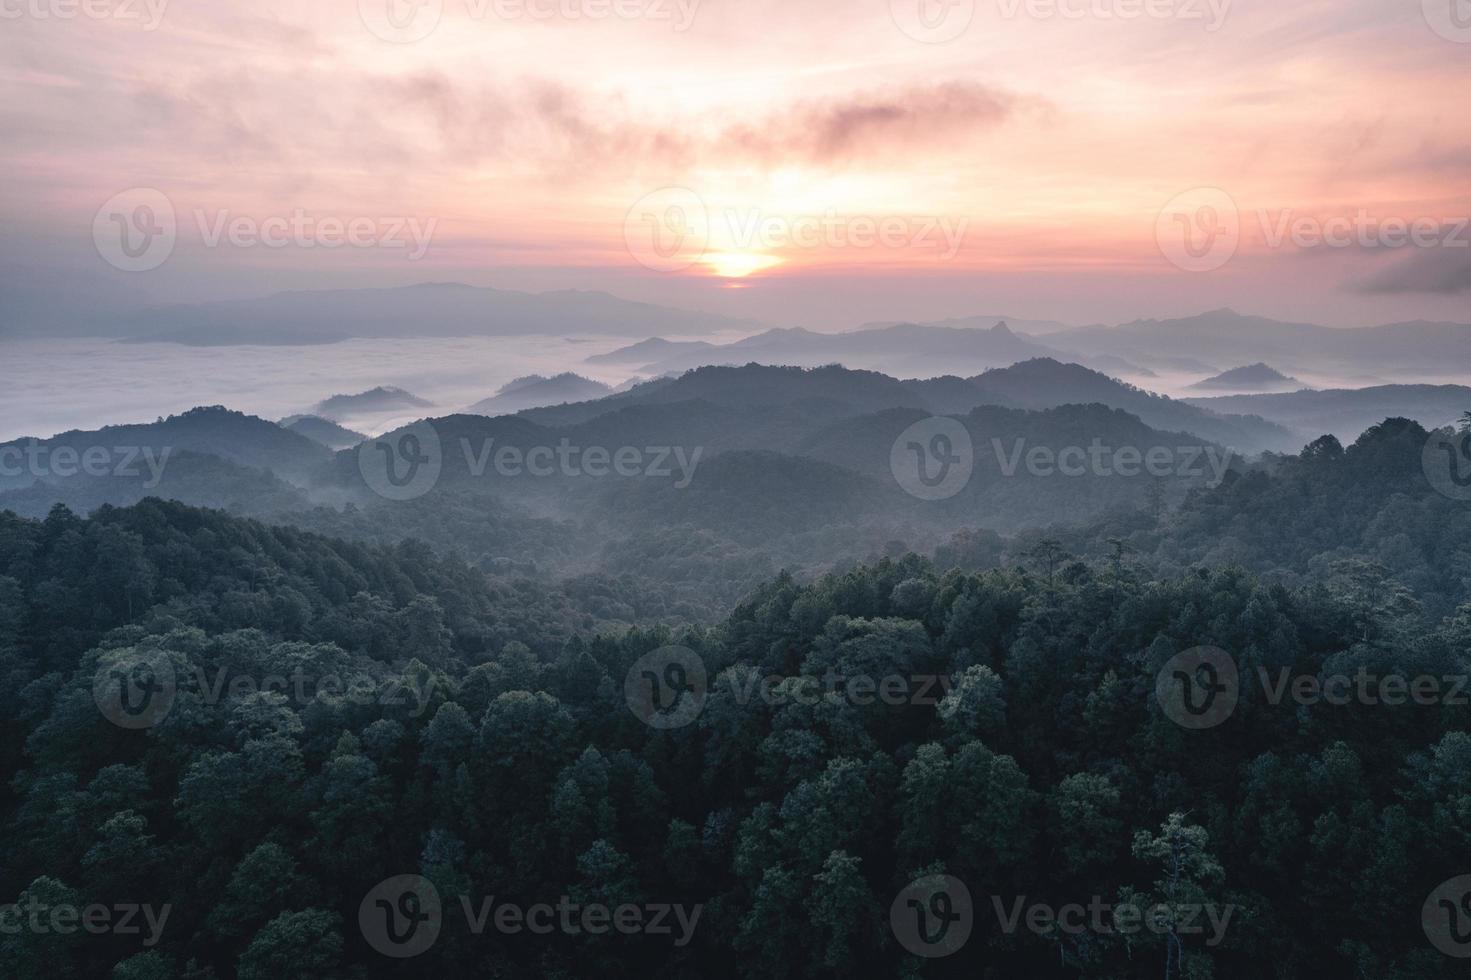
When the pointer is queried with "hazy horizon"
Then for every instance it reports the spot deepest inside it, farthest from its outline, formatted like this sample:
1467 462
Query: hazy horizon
816 167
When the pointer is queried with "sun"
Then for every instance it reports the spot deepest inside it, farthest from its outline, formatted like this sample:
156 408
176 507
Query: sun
738 265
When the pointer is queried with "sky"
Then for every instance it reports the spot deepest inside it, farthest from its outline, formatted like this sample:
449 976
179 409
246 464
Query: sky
813 163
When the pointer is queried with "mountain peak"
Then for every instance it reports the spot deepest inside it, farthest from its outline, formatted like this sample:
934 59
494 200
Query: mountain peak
1256 376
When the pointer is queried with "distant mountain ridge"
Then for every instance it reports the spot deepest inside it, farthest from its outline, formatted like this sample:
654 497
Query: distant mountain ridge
1347 412
232 436
900 350
1037 384
535 391
384 398
1228 337
1252 377
323 431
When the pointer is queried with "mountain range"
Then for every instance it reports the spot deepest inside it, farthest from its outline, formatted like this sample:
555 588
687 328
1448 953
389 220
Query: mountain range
1347 412
908 350
384 398
1257 377
1036 384
534 391
1228 337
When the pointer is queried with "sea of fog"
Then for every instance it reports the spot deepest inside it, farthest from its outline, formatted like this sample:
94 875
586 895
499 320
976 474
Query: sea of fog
50 386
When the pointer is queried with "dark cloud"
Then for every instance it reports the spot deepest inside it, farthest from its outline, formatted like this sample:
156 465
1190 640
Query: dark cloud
1443 271
551 122
874 123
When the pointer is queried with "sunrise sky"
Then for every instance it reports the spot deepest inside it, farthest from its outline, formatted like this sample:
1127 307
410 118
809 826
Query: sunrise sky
1020 167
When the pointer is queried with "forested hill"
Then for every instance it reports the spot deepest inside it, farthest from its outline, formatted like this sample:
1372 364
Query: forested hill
496 758
1366 512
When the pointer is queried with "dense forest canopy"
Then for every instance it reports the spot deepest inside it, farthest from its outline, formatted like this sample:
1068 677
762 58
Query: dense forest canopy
474 734
788 716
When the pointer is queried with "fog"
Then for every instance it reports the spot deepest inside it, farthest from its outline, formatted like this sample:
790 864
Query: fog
55 385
